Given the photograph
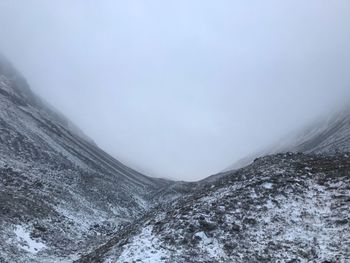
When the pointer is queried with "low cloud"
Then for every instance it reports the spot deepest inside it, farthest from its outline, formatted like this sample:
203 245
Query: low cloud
182 89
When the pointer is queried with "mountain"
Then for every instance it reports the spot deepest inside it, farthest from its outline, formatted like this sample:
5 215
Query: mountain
60 194
292 206
327 135
282 208
63 199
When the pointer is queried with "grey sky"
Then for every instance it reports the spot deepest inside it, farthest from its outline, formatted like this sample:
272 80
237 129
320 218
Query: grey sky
182 88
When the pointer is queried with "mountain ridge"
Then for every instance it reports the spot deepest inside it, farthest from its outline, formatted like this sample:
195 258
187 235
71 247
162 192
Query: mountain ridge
328 134
287 204
57 187
63 199
281 208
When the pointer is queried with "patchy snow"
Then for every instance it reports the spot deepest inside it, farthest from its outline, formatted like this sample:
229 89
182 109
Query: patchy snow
253 194
210 246
267 185
26 242
274 217
144 248
5 84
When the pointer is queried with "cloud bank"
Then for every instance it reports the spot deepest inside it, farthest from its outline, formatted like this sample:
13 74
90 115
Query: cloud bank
182 89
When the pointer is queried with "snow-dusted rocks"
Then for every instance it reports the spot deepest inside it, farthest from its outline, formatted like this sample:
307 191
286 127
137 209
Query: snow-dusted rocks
56 184
62 199
26 242
144 247
256 214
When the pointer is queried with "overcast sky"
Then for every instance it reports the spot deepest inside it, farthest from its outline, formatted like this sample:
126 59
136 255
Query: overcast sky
184 88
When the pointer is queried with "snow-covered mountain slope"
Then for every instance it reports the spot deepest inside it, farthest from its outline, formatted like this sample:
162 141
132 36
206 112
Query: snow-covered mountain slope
282 208
62 199
59 193
328 135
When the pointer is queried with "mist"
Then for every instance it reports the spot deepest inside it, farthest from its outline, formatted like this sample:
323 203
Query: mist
182 89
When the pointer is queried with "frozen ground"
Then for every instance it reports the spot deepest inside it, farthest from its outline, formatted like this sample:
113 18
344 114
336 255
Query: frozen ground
282 208
26 242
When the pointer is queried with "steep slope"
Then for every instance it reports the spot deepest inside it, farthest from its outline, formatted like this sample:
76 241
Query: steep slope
328 135
59 192
282 208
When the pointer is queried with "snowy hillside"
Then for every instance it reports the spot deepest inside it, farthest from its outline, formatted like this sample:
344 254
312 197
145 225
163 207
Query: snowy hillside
328 135
282 208
62 199
60 194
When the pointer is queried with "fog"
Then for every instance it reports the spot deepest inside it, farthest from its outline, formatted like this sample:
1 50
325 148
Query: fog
182 89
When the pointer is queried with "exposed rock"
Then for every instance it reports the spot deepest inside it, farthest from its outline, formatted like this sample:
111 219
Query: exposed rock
296 216
57 184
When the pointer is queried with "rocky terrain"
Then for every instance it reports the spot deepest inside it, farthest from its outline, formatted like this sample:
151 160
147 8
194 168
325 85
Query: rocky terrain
59 193
282 208
63 199
292 207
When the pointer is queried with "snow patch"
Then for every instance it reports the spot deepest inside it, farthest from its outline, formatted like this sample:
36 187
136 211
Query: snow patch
26 242
210 246
267 185
144 248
